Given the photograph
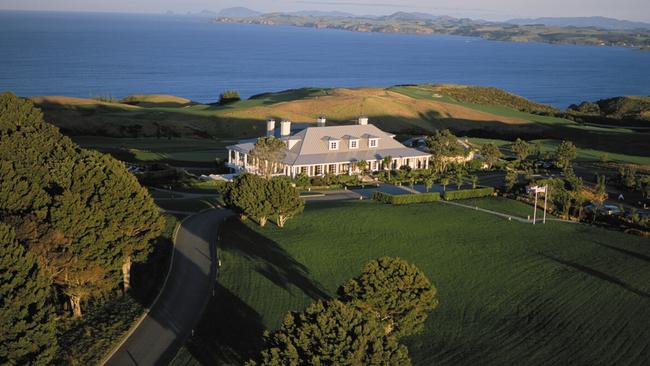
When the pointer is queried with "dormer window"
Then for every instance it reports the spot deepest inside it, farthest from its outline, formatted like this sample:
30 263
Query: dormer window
354 144
373 142
334 145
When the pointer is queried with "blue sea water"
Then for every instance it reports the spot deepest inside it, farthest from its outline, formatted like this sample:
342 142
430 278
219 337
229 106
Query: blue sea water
90 54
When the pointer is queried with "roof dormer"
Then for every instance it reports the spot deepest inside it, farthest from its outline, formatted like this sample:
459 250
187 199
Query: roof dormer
353 142
333 143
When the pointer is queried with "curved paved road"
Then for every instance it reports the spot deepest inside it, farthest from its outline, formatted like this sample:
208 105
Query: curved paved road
170 321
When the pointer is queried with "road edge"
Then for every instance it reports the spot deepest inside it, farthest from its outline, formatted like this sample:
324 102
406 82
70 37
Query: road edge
135 325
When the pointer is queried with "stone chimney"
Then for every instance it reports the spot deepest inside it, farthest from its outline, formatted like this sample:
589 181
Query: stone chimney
270 127
363 120
285 128
320 122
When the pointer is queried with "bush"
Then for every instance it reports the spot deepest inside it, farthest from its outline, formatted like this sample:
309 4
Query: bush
405 199
468 193
229 96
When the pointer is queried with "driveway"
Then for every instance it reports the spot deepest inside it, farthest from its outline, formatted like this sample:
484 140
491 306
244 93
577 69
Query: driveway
187 289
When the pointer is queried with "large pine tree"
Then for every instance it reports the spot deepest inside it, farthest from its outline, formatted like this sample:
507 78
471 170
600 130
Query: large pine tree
27 328
83 216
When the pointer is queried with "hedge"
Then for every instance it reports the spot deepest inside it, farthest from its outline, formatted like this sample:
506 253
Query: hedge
468 193
405 199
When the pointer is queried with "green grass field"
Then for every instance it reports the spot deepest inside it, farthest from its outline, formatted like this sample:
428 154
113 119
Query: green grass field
510 293
582 153
152 149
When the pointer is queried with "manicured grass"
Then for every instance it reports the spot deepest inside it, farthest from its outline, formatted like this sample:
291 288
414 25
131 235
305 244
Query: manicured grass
152 149
504 205
582 153
510 293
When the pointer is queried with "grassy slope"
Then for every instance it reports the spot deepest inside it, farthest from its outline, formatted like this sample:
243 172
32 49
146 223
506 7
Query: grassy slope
510 293
401 110
582 153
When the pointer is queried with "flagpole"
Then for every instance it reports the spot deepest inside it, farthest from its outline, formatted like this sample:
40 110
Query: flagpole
545 200
535 210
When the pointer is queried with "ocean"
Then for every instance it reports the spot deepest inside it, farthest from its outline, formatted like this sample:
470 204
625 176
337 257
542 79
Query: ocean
108 54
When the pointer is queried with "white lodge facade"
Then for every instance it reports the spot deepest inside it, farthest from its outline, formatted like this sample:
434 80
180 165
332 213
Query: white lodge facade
316 151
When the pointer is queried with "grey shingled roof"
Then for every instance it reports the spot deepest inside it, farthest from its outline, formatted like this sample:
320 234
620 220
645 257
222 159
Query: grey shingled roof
313 148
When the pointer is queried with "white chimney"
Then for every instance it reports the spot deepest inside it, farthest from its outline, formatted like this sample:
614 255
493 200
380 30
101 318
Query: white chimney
320 122
285 128
270 127
363 120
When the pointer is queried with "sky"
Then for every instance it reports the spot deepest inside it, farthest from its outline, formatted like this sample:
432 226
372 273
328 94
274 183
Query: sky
485 9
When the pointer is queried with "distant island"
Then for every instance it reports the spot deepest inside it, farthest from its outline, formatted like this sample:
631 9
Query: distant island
421 23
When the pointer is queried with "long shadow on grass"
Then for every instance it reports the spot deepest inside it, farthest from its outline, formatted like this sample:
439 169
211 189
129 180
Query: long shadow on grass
270 259
597 274
230 331
625 251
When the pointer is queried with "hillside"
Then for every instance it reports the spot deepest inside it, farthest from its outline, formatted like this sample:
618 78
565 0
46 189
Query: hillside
622 108
598 22
417 23
403 110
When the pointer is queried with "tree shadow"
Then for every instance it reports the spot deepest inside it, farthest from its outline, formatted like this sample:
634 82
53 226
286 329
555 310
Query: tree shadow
625 251
270 259
230 331
597 274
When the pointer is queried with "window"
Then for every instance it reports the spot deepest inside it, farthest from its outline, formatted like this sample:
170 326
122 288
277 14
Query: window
332 168
354 144
319 169
372 143
334 145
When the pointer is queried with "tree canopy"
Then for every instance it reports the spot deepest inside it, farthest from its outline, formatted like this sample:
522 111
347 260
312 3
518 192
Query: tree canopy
332 333
267 154
490 154
81 213
27 324
444 148
396 291
564 154
254 196
521 149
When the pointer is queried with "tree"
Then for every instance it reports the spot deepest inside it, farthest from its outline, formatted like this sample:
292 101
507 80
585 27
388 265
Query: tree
564 154
268 154
512 177
644 186
459 179
428 178
284 199
521 149
474 180
81 213
600 191
396 291
387 161
445 182
444 148
27 321
229 96
490 154
362 166
332 333
247 195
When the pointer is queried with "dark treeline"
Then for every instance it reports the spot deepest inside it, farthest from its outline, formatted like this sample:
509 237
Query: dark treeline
72 222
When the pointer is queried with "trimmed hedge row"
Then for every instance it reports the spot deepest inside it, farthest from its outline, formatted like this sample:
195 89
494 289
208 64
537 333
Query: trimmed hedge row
405 199
468 193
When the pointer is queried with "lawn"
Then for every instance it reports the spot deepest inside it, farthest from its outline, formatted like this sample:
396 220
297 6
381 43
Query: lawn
582 153
510 293
152 149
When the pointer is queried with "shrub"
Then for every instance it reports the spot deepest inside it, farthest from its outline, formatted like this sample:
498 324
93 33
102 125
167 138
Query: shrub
468 193
229 96
405 199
